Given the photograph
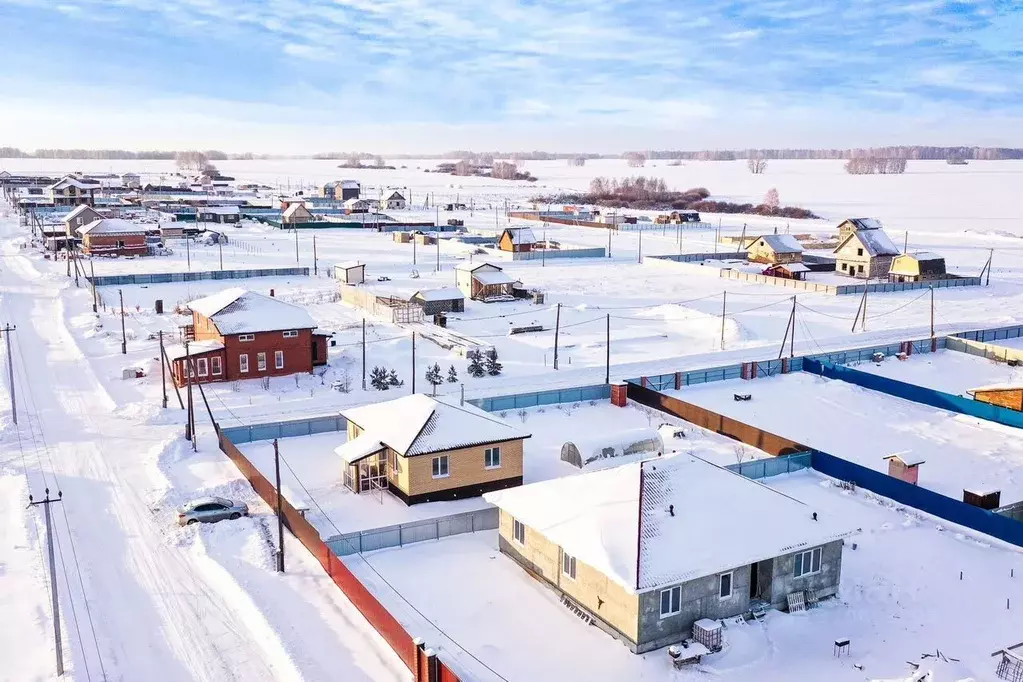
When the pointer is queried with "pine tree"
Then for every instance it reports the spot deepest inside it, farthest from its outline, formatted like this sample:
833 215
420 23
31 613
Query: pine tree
475 364
493 366
378 379
433 377
452 375
392 379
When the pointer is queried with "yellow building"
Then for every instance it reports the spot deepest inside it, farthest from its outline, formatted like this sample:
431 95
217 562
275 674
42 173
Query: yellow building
427 449
917 267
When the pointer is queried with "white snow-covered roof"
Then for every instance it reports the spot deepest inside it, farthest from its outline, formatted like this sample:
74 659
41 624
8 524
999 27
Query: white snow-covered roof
194 348
350 184
923 256
396 196
239 311
419 424
220 210
351 203
72 181
469 266
875 242
112 226
907 458
520 235
488 277
349 264
359 448
792 267
77 211
294 208
442 294
605 517
782 243
866 223
996 387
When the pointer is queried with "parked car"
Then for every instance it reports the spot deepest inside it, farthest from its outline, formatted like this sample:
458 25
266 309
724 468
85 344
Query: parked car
210 510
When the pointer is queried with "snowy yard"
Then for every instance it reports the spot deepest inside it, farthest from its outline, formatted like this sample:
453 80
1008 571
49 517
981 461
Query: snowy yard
1016 343
900 597
865 426
311 472
947 370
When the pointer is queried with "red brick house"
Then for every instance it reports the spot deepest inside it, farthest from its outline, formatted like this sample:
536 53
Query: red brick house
114 237
240 334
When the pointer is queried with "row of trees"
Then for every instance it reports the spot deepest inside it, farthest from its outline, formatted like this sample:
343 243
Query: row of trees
914 152
480 365
871 165
154 155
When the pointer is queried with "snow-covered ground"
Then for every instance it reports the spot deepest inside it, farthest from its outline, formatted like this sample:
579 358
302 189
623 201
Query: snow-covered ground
1016 343
311 473
864 426
900 587
947 370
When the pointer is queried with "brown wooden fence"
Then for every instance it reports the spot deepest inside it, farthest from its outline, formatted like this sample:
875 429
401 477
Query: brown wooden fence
412 655
718 423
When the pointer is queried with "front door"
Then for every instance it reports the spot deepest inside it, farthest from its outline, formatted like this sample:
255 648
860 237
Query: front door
754 581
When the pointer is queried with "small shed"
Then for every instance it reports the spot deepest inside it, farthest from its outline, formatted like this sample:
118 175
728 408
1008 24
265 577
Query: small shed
775 248
985 498
484 282
517 239
350 272
396 202
218 214
426 238
296 213
357 206
401 237
904 466
1004 395
443 300
795 271
917 267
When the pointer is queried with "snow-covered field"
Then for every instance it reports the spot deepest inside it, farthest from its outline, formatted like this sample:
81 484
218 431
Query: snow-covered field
311 474
900 587
143 599
947 370
864 426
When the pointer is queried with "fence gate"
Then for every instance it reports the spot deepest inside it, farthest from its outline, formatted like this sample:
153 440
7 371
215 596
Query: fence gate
407 314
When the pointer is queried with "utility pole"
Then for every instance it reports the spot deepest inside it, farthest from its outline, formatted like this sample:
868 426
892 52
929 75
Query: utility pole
543 252
413 247
792 339
163 371
188 252
437 237
557 329
124 337
280 515
790 331
46 502
905 243
639 257
190 430
364 353
316 269
296 245
724 303
609 241
413 362
92 276
220 246
990 257
607 360
10 370
932 311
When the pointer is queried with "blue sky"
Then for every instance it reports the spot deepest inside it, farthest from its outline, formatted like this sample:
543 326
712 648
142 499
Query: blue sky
429 75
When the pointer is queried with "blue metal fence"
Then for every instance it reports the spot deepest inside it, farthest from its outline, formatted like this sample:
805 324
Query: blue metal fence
165 277
536 398
928 501
285 429
550 254
997 334
772 466
918 394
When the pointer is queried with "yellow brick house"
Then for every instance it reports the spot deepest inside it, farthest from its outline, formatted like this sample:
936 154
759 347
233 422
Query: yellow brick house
425 449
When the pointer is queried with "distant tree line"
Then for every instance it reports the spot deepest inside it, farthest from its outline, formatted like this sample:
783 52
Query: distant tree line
152 155
912 153
641 192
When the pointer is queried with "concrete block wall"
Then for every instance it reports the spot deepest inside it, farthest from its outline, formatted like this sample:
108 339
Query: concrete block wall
825 581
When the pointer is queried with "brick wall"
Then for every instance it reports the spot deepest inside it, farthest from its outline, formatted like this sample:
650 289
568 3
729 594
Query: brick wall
298 354
465 467
134 244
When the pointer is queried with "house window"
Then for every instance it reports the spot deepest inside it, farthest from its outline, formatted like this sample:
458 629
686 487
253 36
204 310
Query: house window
120 243
202 367
671 601
724 585
279 359
261 362
243 363
394 462
859 252
291 334
246 337
568 565
492 458
859 268
440 466
845 266
519 532
808 562
215 366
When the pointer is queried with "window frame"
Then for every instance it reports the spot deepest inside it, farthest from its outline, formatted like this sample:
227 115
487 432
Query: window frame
568 565
261 361
216 366
731 585
436 468
674 595
243 363
202 367
859 252
812 553
290 334
489 454
519 529
278 359
244 338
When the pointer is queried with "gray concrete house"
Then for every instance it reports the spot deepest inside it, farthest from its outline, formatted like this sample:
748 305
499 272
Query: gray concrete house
646 549
866 254
443 300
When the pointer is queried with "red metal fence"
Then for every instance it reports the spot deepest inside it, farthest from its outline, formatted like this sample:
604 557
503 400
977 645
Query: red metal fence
411 653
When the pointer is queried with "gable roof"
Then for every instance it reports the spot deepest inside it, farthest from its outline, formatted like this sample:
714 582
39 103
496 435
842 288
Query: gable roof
355 201
294 208
995 388
875 242
418 425
618 520
922 256
782 243
220 210
865 223
519 235
790 267
350 264
239 311
441 294
396 196
112 226
79 210
469 266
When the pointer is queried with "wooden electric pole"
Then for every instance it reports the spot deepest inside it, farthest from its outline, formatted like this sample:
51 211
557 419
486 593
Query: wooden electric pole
364 353
413 362
724 304
316 269
280 514
10 370
607 352
163 372
557 330
45 503
92 281
124 336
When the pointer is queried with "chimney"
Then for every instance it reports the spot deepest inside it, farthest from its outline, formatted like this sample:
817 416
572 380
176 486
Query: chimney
271 293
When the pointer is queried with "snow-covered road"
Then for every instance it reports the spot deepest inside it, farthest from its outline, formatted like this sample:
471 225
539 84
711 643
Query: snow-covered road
145 607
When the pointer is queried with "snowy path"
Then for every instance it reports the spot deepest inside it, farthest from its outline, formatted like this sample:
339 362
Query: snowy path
156 608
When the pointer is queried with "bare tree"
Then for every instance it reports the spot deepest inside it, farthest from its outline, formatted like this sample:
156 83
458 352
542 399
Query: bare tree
756 163
635 159
771 199
740 453
353 160
192 161
378 161
577 161
464 167
504 170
